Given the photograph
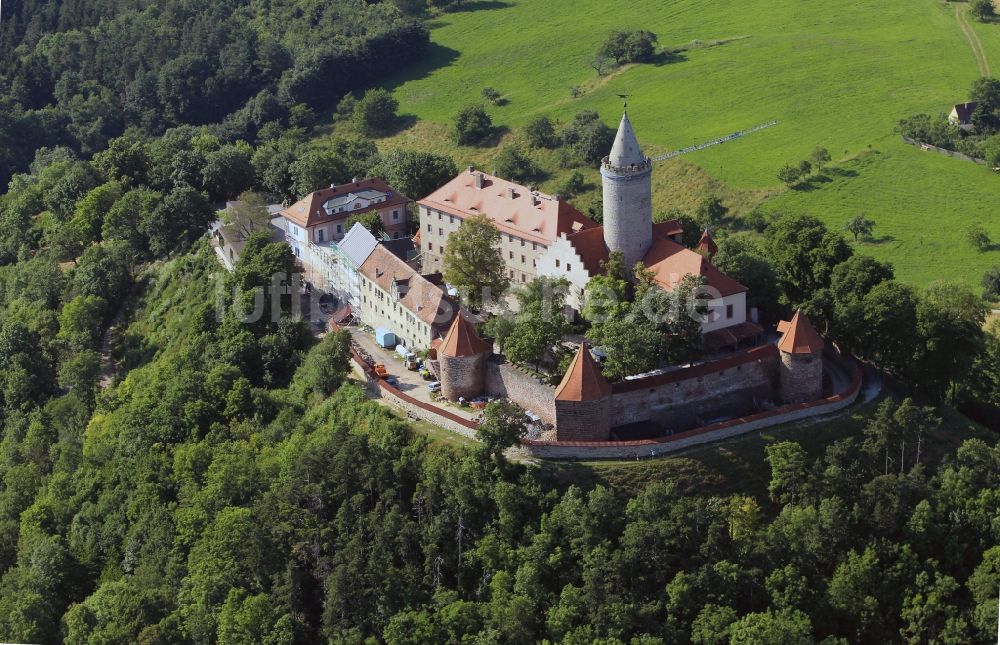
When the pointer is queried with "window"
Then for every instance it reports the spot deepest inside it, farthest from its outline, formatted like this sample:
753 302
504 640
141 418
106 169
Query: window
395 235
729 311
439 216
534 246
512 274
523 259
340 229
441 250
511 255
430 229
569 267
319 234
440 231
451 220
557 264
522 242
522 277
395 214
430 246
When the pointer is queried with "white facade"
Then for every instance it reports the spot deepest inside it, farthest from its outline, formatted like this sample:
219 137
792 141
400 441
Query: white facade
381 309
725 312
562 260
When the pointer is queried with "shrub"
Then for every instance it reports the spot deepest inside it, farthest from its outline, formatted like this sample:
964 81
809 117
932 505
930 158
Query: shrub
629 46
492 95
979 238
375 113
542 133
512 163
789 174
991 283
472 125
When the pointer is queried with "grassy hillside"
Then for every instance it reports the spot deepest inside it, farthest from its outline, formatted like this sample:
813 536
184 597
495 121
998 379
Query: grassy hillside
837 74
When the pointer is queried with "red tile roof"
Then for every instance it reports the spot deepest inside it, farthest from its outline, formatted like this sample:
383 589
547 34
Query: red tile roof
707 245
583 380
423 299
589 243
799 336
462 340
670 262
515 209
309 211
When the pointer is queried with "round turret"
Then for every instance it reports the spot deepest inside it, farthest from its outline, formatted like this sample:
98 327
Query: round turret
626 176
462 361
801 370
583 401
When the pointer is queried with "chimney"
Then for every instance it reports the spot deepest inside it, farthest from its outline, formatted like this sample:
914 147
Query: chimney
555 197
510 193
531 189
480 180
469 169
355 180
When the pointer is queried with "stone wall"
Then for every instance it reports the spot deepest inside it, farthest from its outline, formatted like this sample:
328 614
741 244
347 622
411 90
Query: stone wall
801 377
691 397
506 380
706 434
583 420
462 376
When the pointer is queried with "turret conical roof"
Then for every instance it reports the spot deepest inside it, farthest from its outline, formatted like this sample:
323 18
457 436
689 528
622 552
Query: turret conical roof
625 151
583 380
799 336
462 340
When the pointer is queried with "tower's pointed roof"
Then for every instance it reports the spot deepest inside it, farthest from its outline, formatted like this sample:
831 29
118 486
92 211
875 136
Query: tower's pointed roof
707 244
462 340
625 150
583 380
799 336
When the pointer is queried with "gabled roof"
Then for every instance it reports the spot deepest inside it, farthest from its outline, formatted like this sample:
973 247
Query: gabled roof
309 210
515 209
707 245
583 380
423 299
462 340
626 151
799 336
963 111
358 244
589 243
670 262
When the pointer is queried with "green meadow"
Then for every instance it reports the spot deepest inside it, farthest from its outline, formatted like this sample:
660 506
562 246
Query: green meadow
838 74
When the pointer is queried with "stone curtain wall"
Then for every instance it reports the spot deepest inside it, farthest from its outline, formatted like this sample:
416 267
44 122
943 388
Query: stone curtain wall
944 151
687 398
706 434
505 380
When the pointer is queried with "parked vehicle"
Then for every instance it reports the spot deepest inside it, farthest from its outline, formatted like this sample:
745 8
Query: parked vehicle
434 386
392 380
411 364
380 370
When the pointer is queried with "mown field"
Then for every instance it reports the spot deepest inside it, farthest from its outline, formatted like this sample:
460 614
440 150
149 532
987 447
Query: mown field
838 74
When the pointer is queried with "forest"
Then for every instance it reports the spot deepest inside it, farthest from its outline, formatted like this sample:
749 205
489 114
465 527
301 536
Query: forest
77 73
170 474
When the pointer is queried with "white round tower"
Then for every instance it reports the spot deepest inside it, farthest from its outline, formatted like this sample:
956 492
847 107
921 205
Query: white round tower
628 206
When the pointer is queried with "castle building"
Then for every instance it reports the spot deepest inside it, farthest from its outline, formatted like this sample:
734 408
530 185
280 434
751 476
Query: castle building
462 361
628 227
395 297
529 221
801 369
583 401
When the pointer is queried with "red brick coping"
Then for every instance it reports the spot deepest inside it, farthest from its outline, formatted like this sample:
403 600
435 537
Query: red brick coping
433 409
847 395
759 353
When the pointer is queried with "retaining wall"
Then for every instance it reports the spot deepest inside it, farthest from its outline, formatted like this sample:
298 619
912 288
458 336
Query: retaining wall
944 151
705 434
507 381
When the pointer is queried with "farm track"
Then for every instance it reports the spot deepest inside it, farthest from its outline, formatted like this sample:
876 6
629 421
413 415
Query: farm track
962 15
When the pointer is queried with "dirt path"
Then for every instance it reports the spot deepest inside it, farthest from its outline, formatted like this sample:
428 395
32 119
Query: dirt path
108 366
962 15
